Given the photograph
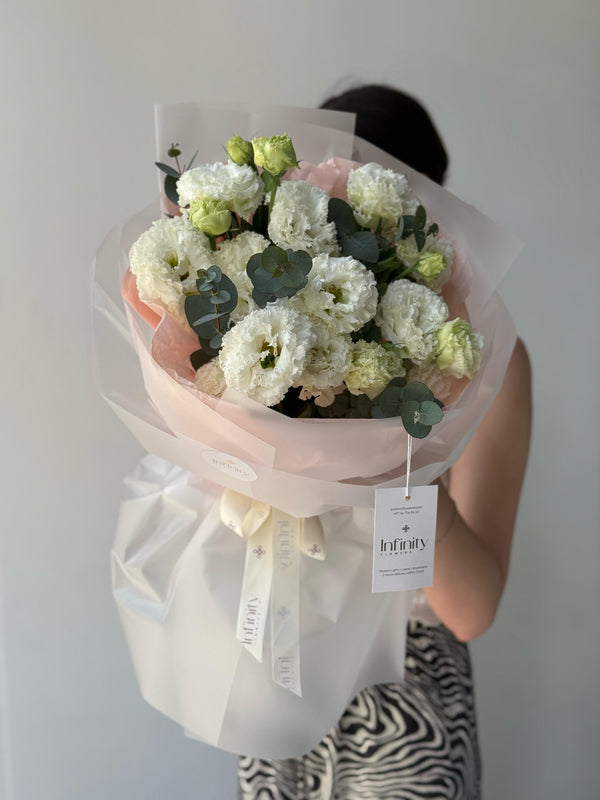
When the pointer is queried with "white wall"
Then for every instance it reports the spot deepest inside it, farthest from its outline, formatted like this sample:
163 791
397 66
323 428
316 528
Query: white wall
513 87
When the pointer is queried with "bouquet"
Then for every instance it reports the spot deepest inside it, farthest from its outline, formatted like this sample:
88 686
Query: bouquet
305 321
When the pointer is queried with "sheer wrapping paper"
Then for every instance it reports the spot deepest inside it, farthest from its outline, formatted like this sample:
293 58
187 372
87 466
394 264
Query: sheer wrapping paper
177 569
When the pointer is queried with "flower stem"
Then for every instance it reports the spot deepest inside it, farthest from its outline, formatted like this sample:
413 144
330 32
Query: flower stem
273 193
408 271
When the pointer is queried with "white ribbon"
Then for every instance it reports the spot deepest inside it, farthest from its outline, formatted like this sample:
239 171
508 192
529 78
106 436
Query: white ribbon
271 579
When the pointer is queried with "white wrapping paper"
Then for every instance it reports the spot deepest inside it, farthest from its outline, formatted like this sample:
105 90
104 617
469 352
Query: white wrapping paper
177 568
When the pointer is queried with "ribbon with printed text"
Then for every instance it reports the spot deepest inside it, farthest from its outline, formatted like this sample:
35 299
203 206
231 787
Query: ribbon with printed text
271 582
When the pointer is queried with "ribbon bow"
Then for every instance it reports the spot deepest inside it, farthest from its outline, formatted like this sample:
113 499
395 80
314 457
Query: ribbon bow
272 579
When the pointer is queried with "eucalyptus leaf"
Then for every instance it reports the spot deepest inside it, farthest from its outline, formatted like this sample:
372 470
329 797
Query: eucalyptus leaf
213 273
417 391
261 298
420 218
434 229
216 341
430 413
220 297
227 287
277 273
167 169
170 185
416 429
400 229
272 257
420 240
210 351
293 276
361 245
340 213
262 280
390 401
197 323
301 259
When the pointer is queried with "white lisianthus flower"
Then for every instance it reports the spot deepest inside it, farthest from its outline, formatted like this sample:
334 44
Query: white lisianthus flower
165 261
327 361
299 219
458 350
340 291
265 353
376 194
433 378
410 315
232 257
210 379
373 367
239 187
410 202
436 260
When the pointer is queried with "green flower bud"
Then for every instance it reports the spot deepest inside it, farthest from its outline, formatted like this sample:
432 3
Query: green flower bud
274 155
240 151
458 349
210 216
431 265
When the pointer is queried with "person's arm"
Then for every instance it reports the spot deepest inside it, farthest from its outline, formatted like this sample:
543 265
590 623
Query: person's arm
473 551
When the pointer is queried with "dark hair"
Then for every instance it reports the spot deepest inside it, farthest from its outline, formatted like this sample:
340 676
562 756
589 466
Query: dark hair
396 123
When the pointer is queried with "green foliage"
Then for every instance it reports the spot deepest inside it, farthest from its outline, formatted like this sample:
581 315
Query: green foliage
354 241
413 402
277 273
208 312
340 213
170 185
414 225
167 169
362 246
173 174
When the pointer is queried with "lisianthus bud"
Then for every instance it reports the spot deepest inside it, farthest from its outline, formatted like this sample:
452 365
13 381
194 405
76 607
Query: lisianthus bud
431 265
274 155
210 216
240 151
458 349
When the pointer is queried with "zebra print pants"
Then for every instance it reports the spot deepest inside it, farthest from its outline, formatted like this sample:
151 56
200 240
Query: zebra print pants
416 739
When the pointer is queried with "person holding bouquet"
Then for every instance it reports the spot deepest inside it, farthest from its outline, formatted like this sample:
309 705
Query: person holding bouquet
418 738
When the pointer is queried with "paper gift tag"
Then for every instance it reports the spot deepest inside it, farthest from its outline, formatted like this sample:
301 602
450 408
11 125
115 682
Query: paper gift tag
404 538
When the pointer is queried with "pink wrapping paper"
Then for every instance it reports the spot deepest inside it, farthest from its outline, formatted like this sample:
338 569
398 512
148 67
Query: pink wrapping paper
177 569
